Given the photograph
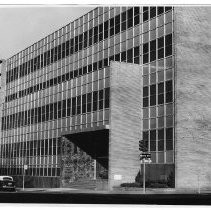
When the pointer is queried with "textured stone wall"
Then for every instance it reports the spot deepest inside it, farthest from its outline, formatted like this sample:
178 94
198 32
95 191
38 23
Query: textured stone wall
74 166
193 97
125 122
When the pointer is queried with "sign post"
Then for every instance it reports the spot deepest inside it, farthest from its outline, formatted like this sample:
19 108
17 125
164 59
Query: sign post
145 158
25 167
144 187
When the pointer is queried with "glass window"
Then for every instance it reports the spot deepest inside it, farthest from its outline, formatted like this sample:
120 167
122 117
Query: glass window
160 134
145 136
136 51
145 58
152 123
168 8
146 80
123 16
169 121
152 135
152 100
145 102
169 97
168 50
130 33
161 31
160 10
160 65
161 53
146 48
152 12
169 62
168 28
136 41
169 133
145 16
161 148
168 39
169 74
160 122
145 69
152 145
152 56
160 76
168 17
169 86
145 124
153 90
160 98
145 91
153 112
153 24
153 78
152 34
153 45
160 42
160 110
169 145
160 88
145 113
169 109
146 37
160 20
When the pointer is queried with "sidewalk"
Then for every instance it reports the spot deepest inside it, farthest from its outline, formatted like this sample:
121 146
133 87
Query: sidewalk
117 191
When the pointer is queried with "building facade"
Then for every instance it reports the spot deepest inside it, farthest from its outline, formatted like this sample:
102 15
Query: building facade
68 110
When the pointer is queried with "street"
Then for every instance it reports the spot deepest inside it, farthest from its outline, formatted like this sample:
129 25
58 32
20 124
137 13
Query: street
79 197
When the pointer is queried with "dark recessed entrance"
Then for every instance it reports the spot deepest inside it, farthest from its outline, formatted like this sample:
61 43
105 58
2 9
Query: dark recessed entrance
85 159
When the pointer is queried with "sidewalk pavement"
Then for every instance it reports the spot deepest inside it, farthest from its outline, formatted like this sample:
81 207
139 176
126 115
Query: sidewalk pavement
117 191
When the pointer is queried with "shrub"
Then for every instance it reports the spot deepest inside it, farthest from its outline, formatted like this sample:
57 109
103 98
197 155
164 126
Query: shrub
170 180
158 185
133 184
148 184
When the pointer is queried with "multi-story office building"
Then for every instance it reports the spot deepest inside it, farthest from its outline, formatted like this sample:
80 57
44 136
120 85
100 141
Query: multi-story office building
78 101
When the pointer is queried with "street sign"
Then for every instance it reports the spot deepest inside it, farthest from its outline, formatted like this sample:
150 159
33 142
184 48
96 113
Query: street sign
146 161
145 155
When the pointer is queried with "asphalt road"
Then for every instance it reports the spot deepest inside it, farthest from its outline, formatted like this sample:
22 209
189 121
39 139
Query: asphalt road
100 198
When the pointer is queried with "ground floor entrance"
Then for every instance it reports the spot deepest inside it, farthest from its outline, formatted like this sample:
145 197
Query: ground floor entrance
84 159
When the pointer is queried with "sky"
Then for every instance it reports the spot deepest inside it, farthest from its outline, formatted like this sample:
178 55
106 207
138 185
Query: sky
22 26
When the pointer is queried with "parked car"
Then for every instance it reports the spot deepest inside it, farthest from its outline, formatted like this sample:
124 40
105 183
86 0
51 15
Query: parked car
7 183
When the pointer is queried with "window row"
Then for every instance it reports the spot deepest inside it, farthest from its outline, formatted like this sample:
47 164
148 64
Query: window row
152 67
31 148
159 122
161 146
158 99
155 49
130 56
159 111
31 171
151 12
89 102
157 43
72 46
157 89
160 138
158 77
